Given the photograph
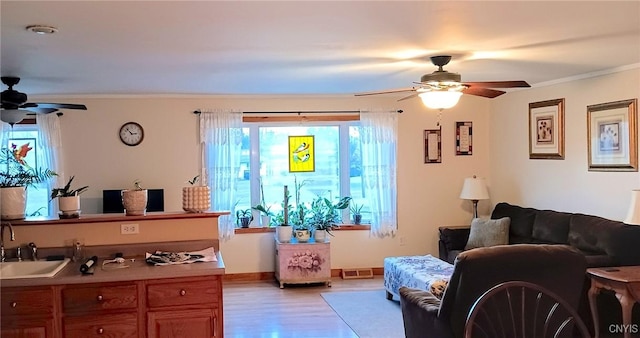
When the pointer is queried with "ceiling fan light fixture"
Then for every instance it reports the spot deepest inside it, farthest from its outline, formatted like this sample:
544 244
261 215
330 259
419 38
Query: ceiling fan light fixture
440 99
13 116
42 29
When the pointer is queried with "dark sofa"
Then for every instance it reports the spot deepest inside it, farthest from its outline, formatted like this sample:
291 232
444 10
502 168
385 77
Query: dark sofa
604 242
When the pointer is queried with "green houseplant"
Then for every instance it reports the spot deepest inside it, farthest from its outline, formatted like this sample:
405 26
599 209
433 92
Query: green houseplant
68 199
15 176
324 215
244 217
356 211
264 209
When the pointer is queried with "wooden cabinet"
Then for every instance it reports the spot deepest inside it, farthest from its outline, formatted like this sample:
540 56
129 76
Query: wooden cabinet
100 310
27 312
185 307
303 262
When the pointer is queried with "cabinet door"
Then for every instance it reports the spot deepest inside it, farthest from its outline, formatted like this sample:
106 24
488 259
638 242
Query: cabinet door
28 328
184 323
123 325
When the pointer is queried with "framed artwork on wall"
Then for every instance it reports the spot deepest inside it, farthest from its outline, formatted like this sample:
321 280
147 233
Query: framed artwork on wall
464 136
432 146
546 129
612 136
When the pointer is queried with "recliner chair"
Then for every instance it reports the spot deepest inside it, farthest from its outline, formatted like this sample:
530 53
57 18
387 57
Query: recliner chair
558 268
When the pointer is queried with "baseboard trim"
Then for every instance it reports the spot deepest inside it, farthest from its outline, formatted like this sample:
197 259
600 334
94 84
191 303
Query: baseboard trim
270 275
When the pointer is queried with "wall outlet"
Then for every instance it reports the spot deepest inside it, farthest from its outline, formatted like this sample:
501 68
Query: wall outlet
129 229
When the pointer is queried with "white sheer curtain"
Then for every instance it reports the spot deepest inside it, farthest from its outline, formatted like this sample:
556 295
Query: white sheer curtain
379 135
50 156
221 139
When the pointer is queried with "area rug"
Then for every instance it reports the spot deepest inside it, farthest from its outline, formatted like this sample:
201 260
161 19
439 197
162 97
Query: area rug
368 313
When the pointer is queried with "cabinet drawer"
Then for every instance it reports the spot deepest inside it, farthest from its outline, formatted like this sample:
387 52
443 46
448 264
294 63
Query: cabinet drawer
113 325
80 299
188 292
17 301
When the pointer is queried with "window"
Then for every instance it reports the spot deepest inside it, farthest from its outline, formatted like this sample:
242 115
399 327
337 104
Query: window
37 196
264 168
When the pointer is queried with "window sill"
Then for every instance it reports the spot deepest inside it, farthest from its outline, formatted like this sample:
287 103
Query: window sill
344 227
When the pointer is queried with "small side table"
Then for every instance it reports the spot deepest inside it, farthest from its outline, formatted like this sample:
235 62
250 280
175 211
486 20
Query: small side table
625 282
303 262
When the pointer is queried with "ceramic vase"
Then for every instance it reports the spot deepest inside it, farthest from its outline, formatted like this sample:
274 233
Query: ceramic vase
196 199
303 235
14 200
134 202
320 236
284 233
265 220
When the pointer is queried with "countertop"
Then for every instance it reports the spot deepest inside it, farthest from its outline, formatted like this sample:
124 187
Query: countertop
138 269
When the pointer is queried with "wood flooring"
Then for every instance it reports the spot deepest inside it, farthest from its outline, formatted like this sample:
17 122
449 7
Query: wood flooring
261 309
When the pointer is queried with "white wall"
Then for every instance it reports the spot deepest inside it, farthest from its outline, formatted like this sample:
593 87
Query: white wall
564 185
169 156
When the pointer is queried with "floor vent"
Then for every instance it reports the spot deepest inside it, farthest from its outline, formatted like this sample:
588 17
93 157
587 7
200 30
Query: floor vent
357 273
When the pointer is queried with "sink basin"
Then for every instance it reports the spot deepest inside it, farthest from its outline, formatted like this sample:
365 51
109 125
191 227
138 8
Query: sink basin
31 269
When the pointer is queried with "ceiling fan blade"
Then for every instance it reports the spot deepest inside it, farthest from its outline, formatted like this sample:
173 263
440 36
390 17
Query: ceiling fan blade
54 105
497 84
484 92
409 97
400 90
39 110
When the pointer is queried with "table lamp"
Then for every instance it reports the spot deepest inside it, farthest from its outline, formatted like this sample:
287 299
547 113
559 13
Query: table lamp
633 216
474 189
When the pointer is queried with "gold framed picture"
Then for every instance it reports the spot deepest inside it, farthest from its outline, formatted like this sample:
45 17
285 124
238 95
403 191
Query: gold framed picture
612 136
546 130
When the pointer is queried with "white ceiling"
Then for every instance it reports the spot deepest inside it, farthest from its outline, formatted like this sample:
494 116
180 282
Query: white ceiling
306 47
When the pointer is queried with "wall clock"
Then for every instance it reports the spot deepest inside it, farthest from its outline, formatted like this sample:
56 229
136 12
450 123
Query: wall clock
131 133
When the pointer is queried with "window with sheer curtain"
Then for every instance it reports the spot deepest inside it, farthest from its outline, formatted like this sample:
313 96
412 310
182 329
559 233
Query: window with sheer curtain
352 158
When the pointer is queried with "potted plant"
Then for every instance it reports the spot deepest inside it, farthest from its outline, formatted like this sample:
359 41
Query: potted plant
325 216
284 230
15 176
356 211
264 209
68 199
244 217
134 200
196 198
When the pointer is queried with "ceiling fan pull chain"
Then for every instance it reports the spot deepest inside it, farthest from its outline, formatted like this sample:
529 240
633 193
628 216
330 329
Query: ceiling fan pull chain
439 118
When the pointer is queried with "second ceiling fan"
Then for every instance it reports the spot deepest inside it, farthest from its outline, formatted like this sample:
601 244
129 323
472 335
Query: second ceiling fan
442 89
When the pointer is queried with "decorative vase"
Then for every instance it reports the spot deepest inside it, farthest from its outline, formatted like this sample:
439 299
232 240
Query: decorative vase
14 201
303 235
284 233
320 236
69 206
196 199
134 202
265 220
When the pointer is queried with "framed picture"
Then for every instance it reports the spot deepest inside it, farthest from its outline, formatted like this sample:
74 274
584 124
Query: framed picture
432 146
464 134
612 136
546 129
302 157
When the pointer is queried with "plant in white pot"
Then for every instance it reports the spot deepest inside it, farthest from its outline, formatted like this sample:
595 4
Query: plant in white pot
264 209
68 199
134 200
15 176
325 216
196 198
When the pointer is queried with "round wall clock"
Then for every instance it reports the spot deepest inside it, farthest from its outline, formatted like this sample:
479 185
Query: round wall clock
131 133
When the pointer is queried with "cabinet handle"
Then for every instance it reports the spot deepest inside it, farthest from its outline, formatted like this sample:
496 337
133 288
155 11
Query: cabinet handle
183 292
100 331
14 304
99 298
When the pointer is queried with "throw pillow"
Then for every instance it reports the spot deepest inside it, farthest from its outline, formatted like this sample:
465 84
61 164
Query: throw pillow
488 232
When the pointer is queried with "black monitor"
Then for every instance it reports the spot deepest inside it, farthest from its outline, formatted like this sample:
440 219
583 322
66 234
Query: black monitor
112 201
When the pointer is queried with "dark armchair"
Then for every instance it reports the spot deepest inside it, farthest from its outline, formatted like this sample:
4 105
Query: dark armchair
559 268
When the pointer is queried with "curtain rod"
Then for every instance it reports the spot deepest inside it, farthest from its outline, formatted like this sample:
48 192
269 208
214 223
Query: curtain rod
300 112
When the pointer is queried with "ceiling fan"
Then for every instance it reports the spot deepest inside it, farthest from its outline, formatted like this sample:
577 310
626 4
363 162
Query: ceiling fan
15 106
442 89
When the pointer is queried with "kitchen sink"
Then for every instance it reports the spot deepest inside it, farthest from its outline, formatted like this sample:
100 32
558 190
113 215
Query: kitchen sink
31 269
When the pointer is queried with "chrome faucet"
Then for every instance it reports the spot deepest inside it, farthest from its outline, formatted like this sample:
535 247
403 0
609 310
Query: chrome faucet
34 251
13 238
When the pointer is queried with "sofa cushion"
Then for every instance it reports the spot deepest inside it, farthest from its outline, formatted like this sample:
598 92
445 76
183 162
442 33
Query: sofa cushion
488 232
521 218
590 233
551 226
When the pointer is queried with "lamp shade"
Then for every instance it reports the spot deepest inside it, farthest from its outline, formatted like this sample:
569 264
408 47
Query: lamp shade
633 216
474 189
440 99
